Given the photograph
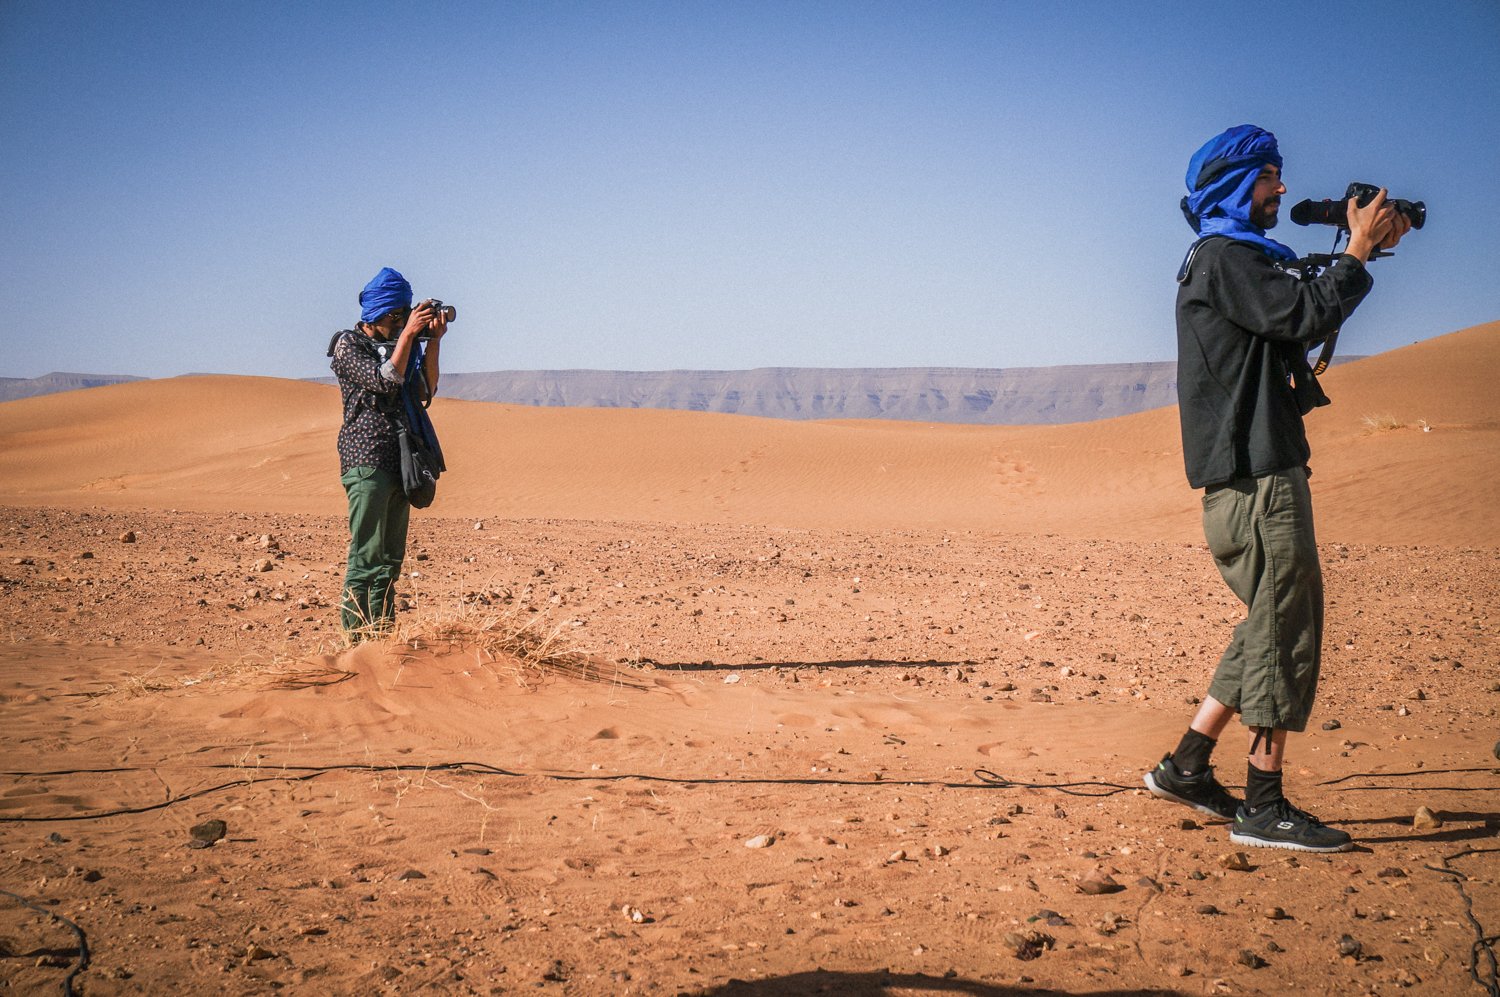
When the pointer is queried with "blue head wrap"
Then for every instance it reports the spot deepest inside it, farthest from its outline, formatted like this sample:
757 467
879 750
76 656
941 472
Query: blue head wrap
1220 179
387 292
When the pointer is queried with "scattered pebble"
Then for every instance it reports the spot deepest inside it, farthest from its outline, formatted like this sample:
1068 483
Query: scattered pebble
1426 820
761 841
1098 883
1028 945
1235 862
208 832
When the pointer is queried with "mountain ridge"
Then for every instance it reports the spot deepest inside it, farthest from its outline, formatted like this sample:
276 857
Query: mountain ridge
960 395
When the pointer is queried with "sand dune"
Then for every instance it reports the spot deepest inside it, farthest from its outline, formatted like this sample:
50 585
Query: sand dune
1401 457
865 710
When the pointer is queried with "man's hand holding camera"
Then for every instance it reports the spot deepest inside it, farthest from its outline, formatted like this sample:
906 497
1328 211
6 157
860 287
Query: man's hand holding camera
429 320
1376 225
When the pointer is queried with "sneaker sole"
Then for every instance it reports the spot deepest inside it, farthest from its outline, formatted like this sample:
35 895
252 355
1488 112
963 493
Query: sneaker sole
1249 839
1163 794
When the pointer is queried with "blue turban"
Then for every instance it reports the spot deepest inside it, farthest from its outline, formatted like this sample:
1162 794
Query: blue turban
1220 179
387 292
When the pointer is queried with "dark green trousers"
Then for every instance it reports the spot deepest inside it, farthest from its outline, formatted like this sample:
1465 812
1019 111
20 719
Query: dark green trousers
378 517
1260 531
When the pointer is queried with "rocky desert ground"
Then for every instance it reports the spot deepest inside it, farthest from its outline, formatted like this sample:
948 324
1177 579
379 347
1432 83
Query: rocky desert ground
734 726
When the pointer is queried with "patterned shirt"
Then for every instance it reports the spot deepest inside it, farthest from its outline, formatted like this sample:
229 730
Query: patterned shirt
368 436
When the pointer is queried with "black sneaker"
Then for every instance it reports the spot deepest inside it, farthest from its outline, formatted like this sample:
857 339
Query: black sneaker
1202 791
1282 825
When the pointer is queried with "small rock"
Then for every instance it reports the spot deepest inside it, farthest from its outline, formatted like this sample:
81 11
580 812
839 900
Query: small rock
556 972
255 953
1426 820
761 841
1235 862
1417 694
1273 914
1109 923
1349 948
1098 883
1392 872
938 851
209 831
1028 945
262 565
634 914
1208 910
1249 958
899 855
410 874
128 537
1331 725
1187 824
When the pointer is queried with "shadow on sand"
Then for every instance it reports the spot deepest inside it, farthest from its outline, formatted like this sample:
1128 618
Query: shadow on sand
751 666
884 984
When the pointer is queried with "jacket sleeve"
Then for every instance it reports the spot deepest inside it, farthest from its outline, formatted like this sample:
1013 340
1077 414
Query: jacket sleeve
362 368
1249 289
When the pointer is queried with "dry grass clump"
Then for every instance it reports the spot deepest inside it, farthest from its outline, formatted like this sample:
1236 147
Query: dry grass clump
1389 423
528 647
1381 423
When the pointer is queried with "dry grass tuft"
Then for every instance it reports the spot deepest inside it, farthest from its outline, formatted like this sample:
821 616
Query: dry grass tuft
1382 423
526 648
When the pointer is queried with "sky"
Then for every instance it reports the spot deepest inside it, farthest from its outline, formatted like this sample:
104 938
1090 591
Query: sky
650 185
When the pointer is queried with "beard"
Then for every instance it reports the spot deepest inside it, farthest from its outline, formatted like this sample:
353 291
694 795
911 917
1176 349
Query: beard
1266 215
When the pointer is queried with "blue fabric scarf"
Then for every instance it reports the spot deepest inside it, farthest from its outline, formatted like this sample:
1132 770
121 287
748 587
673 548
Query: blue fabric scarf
386 292
1220 180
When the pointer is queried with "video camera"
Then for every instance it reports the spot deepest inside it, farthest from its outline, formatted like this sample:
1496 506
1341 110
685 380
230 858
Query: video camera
1328 212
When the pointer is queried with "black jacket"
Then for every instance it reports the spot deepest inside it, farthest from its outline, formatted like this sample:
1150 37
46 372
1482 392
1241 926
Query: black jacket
1244 325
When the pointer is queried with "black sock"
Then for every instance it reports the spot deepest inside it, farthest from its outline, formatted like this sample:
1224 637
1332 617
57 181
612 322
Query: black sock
1262 789
1193 751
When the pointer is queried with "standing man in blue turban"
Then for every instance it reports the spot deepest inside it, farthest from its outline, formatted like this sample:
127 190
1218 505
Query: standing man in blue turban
371 364
1247 313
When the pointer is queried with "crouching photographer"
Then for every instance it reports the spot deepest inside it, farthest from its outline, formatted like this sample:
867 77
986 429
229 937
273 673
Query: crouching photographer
389 458
1248 311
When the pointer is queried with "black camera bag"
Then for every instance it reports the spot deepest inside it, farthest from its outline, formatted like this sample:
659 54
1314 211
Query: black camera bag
419 469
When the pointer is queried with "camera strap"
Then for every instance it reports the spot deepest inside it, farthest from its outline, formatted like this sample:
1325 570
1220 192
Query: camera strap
1325 356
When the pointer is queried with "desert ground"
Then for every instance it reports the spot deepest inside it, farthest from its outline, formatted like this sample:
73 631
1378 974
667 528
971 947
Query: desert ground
695 704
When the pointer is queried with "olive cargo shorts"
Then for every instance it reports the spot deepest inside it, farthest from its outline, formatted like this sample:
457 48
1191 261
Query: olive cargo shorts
378 517
1260 531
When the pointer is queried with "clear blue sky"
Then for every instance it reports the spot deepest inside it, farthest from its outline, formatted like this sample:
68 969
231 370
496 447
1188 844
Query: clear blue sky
640 185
